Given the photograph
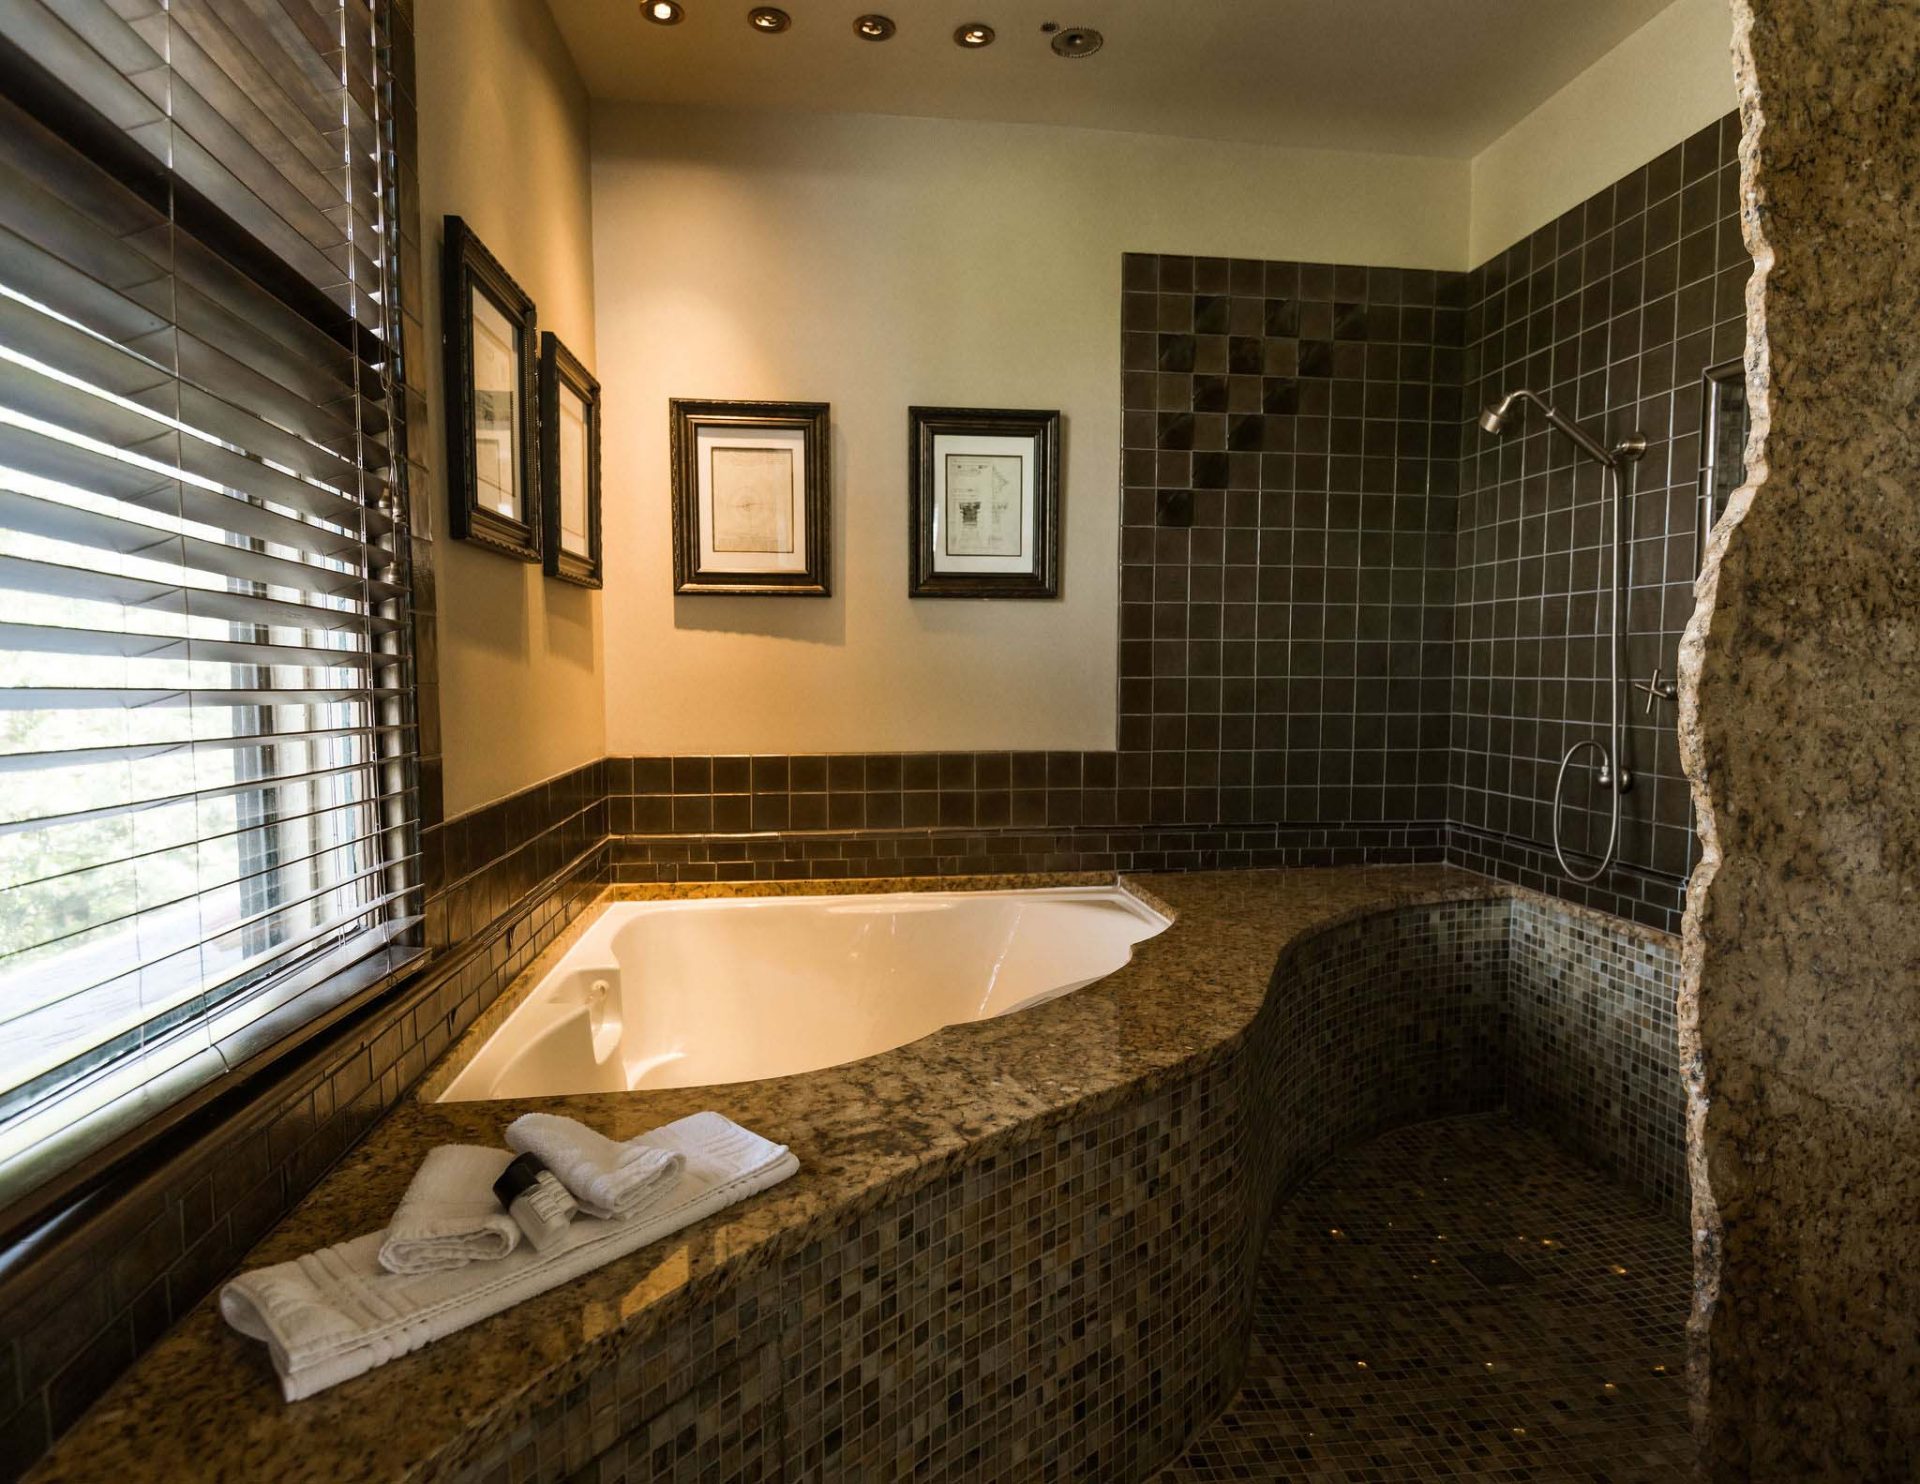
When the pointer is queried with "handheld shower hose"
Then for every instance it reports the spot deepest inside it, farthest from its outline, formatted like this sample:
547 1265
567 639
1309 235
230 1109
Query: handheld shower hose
1613 772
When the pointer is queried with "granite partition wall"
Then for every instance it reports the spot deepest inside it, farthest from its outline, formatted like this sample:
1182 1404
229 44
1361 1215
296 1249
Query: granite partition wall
1800 1006
1612 312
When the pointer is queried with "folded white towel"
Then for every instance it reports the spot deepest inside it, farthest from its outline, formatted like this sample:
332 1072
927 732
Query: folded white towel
335 1314
607 1179
449 1216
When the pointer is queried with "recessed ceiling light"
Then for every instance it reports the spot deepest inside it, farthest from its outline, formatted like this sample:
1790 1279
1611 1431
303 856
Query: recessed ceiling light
664 12
974 36
769 18
873 27
1077 41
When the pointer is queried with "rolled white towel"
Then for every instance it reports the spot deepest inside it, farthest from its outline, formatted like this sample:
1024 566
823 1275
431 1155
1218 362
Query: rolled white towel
449 1216
609 1180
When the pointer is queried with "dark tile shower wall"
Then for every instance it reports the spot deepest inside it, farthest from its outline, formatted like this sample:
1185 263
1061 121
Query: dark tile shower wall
1336 592
1290 434
1613 312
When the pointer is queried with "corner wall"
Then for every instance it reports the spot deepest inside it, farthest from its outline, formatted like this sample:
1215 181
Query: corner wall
1663 83
1291 437
503 143
1612 311
876 263
1800 1002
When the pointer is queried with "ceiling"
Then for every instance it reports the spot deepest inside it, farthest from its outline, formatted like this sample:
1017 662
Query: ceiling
1422 77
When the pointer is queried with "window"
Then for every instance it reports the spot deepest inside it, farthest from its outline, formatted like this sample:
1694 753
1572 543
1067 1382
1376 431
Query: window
206 782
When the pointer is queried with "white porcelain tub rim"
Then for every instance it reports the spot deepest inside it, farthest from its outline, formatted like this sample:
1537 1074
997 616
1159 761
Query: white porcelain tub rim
599 926
586 944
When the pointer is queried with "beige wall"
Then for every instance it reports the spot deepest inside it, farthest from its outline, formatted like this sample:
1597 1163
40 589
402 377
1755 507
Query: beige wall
1669 78
876 263
503 143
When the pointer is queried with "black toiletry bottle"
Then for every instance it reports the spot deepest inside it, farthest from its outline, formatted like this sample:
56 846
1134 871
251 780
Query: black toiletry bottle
539 1204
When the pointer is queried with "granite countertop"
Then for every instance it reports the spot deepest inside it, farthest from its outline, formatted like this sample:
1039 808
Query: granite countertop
204 1403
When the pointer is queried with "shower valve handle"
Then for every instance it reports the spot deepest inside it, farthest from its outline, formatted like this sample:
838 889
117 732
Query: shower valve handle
1656 689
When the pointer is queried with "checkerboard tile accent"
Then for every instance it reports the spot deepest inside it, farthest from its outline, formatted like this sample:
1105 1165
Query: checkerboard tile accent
1290 443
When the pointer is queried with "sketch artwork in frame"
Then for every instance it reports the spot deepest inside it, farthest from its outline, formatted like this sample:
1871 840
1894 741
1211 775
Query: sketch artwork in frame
569 464
750 498
984 503
493 468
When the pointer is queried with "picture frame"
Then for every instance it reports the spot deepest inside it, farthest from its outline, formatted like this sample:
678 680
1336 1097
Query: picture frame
488 333
983 503
569 464
751 498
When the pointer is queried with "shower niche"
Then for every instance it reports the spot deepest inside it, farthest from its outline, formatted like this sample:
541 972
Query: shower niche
1723 445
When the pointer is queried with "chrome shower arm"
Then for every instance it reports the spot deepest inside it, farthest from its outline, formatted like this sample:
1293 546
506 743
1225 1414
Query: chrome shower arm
1573 430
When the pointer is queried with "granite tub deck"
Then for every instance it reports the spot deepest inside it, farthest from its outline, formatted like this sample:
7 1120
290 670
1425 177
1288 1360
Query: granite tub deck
978 1272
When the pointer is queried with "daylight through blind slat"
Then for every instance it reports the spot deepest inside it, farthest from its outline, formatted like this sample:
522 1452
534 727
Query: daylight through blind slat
207 830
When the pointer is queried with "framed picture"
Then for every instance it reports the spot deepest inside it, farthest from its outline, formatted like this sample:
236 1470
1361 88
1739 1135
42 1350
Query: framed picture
750 482
569 464
984 498
493 471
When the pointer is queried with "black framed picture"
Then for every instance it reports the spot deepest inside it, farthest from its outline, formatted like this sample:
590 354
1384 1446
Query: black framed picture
569 464
750 497
493 471
983 503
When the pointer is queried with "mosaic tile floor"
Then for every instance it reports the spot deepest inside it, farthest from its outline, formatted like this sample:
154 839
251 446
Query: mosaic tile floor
1461 1300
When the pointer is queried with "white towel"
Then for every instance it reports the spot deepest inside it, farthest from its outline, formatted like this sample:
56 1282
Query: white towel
607 1179
336 1314
449 1216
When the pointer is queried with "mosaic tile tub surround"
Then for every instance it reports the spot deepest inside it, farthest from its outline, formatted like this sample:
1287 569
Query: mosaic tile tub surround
1590 1044
1077 1306
1018 1249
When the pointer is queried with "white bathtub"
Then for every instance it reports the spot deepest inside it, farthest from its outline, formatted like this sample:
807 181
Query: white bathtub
682 993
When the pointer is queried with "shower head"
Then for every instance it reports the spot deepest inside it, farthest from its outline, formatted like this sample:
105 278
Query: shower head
1495 416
